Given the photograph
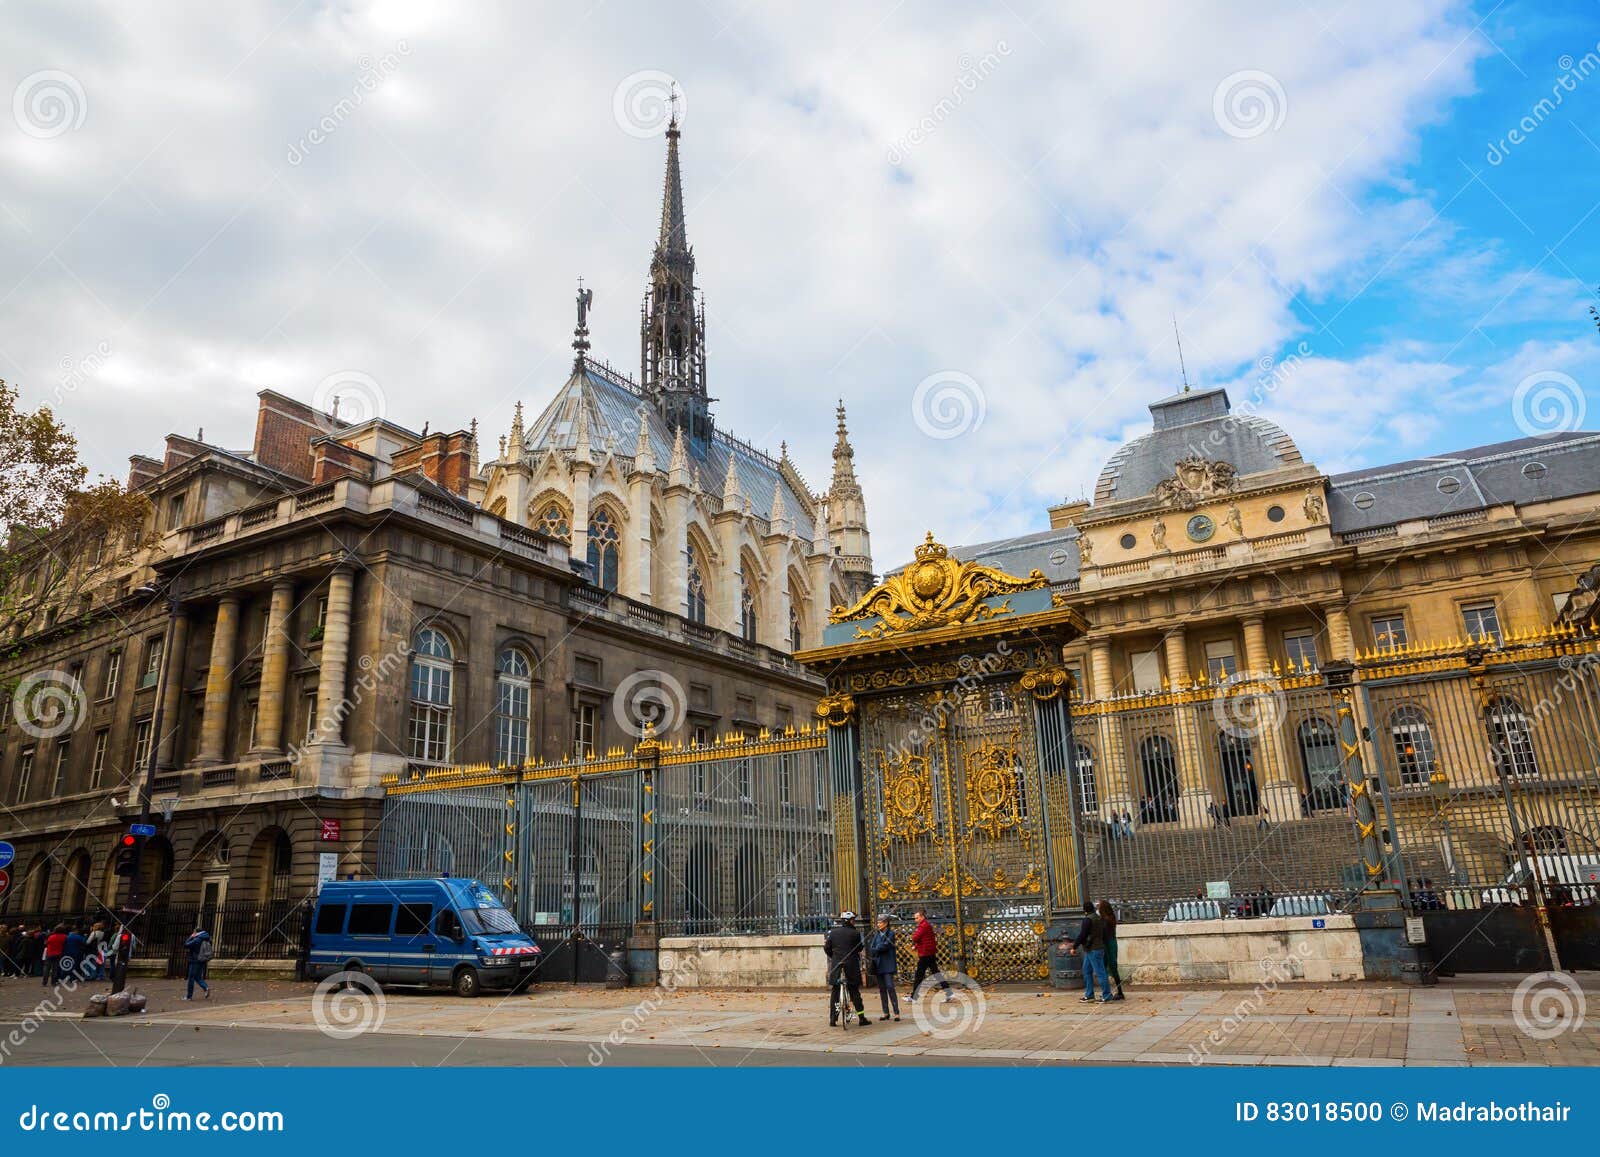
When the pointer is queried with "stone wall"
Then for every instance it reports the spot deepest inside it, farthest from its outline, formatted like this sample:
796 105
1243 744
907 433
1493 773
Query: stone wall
1241 951
744 961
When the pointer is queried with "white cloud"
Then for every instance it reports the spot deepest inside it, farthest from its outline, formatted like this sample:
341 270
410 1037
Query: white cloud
1038 238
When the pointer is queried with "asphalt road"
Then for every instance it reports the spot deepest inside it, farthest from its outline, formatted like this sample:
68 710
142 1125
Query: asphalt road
116 1044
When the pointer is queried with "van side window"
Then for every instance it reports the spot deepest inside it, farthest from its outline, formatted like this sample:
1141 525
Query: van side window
330 918
412 919
370 919
448 925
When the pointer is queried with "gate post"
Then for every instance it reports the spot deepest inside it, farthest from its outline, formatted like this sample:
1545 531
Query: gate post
1050 687
838 713
644 943
1381 916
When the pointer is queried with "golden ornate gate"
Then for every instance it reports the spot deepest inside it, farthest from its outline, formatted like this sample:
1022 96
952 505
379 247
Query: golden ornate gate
949 747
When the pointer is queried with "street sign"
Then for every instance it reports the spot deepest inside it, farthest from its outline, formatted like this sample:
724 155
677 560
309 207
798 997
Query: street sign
143 829
327 868
7 854
1319 923
332 830
5 881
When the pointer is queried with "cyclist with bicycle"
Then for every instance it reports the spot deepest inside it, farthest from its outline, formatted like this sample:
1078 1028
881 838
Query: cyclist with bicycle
843 946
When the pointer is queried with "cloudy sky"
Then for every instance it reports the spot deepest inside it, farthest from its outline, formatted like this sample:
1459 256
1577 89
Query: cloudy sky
1376 223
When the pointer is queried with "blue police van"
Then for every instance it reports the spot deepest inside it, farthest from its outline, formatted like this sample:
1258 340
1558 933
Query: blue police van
444 933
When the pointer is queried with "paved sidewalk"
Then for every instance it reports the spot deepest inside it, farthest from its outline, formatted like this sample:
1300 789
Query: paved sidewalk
1461 1022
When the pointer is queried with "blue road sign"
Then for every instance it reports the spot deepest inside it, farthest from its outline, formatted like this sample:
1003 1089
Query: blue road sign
7 854
143 829
1319 923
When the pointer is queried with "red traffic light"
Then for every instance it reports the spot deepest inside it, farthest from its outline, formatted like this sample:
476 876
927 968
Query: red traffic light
128 841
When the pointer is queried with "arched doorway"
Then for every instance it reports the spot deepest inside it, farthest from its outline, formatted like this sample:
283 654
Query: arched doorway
75 887
272 866
1160 775
749 887
36 885
1240 794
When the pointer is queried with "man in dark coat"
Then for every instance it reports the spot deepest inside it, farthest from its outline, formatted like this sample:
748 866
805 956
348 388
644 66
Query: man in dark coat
843 946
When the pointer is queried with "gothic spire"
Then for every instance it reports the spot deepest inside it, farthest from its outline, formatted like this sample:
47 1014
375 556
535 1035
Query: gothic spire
674 236
678 469
844 462
644 454
518 440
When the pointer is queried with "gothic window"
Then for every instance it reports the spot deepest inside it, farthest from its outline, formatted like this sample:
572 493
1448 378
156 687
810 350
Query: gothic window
697 589
747 608
432 695
554 522
513 686
603 549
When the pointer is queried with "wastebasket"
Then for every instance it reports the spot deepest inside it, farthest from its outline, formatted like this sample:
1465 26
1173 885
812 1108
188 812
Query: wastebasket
1066 969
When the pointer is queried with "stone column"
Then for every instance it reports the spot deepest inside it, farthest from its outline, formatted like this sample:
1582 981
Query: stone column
172 694
219 682
1280 797
331 703
674 595
726 612
1194 794
274 671
581 472
637 582
1340 643
1118 779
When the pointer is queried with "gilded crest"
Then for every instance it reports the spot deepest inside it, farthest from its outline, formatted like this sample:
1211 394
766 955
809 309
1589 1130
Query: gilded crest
934 591
907 796
994 774
1194 480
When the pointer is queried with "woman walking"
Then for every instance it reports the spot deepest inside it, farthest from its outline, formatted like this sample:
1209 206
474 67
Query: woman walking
1109 915
200 952
881 953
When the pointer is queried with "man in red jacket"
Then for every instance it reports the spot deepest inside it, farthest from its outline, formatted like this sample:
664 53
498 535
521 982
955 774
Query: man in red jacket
926 941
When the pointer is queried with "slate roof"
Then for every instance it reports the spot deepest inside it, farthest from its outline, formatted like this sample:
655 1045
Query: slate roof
613 404
1520 471
1198 422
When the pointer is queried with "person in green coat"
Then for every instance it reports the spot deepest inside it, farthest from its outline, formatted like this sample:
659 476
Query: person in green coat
1109 915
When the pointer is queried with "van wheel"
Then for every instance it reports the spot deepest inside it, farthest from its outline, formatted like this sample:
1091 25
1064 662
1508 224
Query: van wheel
353 966
466 982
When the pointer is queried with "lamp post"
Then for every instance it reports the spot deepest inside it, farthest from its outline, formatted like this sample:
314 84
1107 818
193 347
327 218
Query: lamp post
1439 788
146 785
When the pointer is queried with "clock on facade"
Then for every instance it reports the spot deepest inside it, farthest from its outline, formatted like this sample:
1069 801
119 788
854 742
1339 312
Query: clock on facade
1201 528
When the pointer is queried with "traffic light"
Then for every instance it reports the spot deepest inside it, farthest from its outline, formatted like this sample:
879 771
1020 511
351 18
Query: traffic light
127 855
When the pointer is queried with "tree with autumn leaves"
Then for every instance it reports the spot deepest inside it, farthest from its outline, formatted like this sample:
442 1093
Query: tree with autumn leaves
64 534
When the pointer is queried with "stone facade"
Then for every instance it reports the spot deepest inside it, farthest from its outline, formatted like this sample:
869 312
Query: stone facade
331 608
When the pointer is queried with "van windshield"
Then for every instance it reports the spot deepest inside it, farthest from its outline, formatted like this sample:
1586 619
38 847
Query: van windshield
488 921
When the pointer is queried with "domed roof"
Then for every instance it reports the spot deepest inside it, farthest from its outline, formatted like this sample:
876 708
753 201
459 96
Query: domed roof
1198 423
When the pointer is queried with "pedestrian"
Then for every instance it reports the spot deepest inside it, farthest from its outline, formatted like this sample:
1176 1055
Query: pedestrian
843 947
1091 939
30 951
75 958
926 941
1109 915
881 952
200 951
55 947
1215 813
120 953
7 965
1127 823
95 965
